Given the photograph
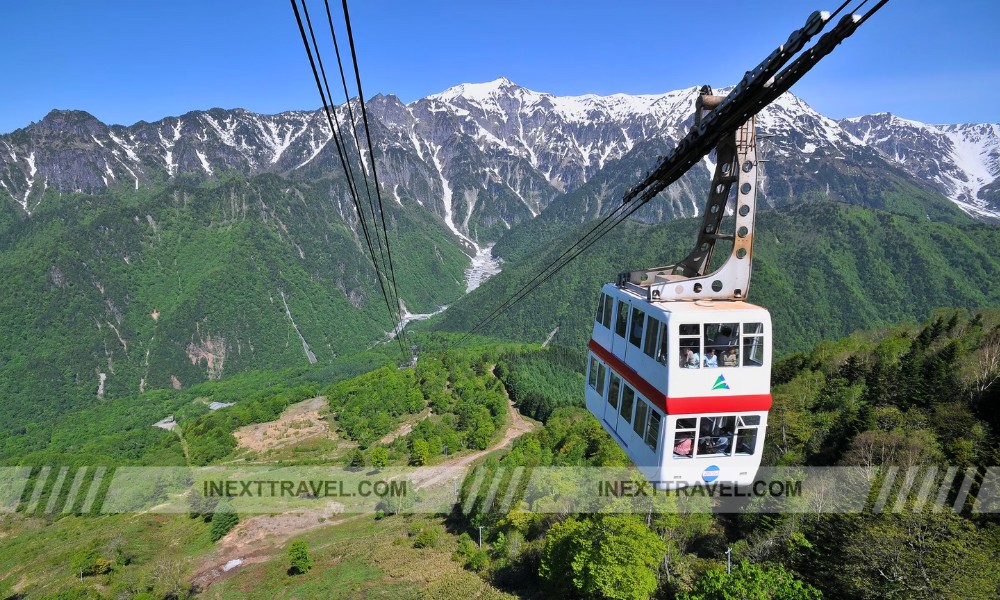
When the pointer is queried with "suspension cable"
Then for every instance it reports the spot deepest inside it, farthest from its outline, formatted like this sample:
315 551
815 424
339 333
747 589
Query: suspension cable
371 154
340 149
353 129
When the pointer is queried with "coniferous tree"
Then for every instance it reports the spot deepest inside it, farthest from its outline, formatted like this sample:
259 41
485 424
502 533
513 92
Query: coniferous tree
223 521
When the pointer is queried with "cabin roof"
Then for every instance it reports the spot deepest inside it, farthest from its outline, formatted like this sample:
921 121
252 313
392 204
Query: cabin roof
688 307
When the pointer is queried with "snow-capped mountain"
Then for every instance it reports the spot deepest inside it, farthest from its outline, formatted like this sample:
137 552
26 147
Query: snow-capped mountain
502 153
962 162
483 157
71 151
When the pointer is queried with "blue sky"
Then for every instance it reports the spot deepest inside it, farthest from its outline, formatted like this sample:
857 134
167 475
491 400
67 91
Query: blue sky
126 61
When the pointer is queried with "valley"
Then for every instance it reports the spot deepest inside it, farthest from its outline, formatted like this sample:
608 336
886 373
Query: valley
209 269
914 390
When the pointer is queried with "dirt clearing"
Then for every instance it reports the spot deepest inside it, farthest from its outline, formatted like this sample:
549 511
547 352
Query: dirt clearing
299 422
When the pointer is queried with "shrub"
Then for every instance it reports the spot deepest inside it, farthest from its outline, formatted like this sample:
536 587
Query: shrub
427 538
223 521
298 557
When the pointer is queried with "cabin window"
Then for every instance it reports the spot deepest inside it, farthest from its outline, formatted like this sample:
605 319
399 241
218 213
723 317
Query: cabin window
746 434
722 344
753 344
628 401
601 375
684 438
716 436
604 308
661 350
649 344
592 373
635 334
641 412
622 323
690 346
613 390
690 329
653 430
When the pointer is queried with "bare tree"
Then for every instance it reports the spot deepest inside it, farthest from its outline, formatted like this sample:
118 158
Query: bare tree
987 368
169 579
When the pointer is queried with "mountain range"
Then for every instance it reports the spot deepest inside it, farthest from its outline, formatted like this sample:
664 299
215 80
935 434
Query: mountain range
484 157
159 255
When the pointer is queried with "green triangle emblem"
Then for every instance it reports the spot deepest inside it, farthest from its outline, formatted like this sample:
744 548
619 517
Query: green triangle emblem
720 384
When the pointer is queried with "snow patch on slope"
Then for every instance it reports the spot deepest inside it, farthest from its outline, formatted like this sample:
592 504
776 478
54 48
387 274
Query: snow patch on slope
975 157
204 162
32 171
446 200
483 267
128 148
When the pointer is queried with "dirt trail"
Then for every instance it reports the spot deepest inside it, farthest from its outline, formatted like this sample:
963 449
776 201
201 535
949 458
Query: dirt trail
259 538
444 471
405 428
298 422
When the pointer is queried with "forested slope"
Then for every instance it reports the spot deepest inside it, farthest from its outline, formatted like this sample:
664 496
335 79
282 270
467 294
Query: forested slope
822 269
105 296
915 396
921 396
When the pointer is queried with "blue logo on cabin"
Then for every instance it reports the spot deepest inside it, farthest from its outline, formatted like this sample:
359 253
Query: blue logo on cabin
720 384
710 474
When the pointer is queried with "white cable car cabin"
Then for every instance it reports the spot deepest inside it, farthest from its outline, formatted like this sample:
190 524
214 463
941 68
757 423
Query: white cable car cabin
679 367
683 387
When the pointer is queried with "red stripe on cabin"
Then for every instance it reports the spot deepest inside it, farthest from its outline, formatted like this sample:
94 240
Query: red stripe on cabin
719 404
681 406
628 373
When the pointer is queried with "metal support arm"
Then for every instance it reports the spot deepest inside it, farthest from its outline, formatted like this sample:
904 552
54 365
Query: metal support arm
736 166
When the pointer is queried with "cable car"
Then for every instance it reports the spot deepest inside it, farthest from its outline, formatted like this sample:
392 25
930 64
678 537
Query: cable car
679 366
679 363
683 387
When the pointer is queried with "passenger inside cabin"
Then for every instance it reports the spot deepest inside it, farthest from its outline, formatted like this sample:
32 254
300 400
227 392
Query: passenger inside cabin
684 444
715 445
711 360
690 358
716 435
729 359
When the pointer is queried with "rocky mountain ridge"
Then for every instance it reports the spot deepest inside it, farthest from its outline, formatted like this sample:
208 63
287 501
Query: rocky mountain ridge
484 157
961 162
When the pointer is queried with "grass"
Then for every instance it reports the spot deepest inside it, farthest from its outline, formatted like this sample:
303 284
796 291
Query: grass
357 558
149 539
310 451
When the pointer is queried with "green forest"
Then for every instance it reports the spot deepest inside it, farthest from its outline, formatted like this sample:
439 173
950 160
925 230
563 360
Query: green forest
914 395
107 296
910 395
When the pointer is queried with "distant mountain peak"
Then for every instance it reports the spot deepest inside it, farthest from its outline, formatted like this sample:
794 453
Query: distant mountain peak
74 118
58 113
888 117
477 91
